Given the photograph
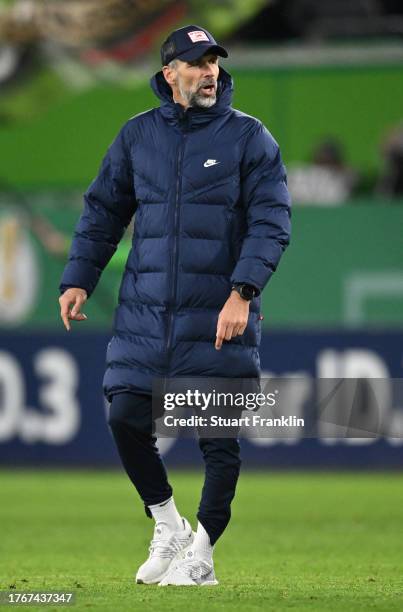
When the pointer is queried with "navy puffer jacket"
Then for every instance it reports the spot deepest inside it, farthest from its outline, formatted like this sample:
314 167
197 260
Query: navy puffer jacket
208 189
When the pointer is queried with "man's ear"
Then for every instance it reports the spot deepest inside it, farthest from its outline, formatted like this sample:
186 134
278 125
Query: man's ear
169 74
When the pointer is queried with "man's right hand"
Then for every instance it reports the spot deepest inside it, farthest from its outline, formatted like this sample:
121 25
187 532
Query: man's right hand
74 298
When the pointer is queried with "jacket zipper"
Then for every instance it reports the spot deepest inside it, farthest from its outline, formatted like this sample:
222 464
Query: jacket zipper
174 266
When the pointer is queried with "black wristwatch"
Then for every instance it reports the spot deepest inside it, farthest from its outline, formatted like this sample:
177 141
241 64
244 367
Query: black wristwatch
247 292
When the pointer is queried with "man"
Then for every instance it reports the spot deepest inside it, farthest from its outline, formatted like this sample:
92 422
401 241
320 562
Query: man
212 208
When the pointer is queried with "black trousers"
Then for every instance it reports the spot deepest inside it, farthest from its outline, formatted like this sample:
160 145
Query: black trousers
131 423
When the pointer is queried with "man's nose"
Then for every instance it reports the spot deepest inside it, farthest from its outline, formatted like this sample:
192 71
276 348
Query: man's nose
207 70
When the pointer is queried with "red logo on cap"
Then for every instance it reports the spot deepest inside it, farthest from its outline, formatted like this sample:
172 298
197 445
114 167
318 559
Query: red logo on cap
197 36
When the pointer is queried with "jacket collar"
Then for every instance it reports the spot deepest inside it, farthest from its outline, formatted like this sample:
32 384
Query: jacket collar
193 117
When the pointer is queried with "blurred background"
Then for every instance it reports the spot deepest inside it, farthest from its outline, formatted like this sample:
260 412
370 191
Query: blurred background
326 78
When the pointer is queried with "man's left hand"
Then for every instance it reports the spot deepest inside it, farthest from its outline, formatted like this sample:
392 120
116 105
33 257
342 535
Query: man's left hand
232 319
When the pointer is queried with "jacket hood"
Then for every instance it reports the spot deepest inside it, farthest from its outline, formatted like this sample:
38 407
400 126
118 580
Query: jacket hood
175 113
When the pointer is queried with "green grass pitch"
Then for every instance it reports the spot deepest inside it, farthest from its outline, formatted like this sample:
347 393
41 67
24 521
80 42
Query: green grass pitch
297 541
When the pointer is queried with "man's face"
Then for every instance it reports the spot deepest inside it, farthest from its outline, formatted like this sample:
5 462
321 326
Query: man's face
194 83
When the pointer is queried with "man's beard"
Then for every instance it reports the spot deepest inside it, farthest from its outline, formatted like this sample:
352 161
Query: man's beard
195 97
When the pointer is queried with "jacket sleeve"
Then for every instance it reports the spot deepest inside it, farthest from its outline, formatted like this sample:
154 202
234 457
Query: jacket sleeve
267 201
109 204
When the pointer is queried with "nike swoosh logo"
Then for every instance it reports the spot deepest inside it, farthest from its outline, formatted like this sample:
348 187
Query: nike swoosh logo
210 162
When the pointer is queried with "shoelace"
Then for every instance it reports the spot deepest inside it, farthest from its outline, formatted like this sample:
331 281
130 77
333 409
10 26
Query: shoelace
165 548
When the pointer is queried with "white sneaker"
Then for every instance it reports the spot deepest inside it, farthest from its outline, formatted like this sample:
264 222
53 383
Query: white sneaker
165 546
190 571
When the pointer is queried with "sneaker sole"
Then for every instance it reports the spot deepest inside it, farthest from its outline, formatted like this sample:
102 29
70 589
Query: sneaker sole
207 583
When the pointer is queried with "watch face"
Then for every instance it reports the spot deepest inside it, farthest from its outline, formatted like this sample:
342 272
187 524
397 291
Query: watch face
247 292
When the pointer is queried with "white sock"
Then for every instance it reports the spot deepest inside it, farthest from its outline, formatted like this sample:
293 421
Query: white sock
201 544
166 512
